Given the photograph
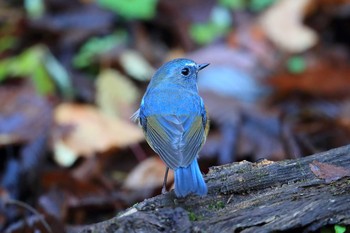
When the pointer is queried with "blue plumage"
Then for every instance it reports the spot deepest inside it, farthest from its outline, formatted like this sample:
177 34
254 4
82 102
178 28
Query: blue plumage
174 120
189 180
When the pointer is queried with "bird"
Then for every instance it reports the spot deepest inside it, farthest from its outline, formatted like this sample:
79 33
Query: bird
175 123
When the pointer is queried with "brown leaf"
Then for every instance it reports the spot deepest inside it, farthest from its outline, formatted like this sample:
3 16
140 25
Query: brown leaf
115 94
328 172
136 65
326 79
288 14
327 6
92 132
147 175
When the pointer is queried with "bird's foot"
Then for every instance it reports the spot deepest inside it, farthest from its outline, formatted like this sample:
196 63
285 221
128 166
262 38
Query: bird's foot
164 191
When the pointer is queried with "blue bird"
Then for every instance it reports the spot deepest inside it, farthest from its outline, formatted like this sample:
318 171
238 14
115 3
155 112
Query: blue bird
175 123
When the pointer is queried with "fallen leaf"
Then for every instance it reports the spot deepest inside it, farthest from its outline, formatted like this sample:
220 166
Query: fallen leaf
92 132
66 197
24 115
115 94
149 174
328 172
331 77
73 190
283 25
136 66
64 155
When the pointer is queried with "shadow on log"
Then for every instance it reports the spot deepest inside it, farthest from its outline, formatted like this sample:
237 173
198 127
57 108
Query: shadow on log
299 195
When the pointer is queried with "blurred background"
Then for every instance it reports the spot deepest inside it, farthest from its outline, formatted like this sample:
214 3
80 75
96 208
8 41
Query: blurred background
72 72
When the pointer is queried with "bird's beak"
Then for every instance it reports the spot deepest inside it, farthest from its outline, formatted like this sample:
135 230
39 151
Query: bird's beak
202 66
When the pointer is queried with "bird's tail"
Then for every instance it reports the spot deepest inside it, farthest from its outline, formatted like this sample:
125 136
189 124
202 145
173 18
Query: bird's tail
189 180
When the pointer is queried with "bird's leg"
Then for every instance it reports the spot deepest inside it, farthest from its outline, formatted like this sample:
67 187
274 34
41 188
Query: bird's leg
165 179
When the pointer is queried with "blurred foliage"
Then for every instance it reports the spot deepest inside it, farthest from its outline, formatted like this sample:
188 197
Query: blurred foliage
135 9
254 5
35 8
38 64
339 229
258 5
220 21
334 229
7 42
233 4
218 25
204 33
296 64
97 46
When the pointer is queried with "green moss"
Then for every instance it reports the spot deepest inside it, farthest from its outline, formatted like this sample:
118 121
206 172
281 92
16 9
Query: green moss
220 205
217 205
241 170
194 217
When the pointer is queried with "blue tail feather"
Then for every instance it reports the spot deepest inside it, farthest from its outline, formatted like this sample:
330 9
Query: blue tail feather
189 180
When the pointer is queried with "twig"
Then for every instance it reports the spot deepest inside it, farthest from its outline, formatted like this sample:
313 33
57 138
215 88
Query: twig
31 209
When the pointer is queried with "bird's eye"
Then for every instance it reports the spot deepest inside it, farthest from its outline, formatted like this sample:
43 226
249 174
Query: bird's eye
185 71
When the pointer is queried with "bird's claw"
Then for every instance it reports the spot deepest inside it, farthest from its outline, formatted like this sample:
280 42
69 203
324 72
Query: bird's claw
164 191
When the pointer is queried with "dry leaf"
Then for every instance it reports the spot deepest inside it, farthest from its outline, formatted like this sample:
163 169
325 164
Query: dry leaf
92 132
328 172
136 66
115 94
331 79
24 115
149 174
283 25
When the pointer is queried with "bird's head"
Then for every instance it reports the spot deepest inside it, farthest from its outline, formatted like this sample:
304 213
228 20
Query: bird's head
179 71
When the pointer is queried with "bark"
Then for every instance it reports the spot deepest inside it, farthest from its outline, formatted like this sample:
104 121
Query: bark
299 195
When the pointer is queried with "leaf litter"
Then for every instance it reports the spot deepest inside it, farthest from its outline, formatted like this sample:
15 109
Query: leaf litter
72 73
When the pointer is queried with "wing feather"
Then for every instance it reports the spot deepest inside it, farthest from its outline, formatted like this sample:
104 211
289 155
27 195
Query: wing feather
177 139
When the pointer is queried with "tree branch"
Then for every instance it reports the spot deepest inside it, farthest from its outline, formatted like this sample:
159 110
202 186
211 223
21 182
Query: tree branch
251 197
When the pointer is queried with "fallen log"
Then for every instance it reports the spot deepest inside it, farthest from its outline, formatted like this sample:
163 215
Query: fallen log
300 195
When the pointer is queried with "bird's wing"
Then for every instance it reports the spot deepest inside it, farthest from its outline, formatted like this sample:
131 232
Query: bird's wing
177 139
